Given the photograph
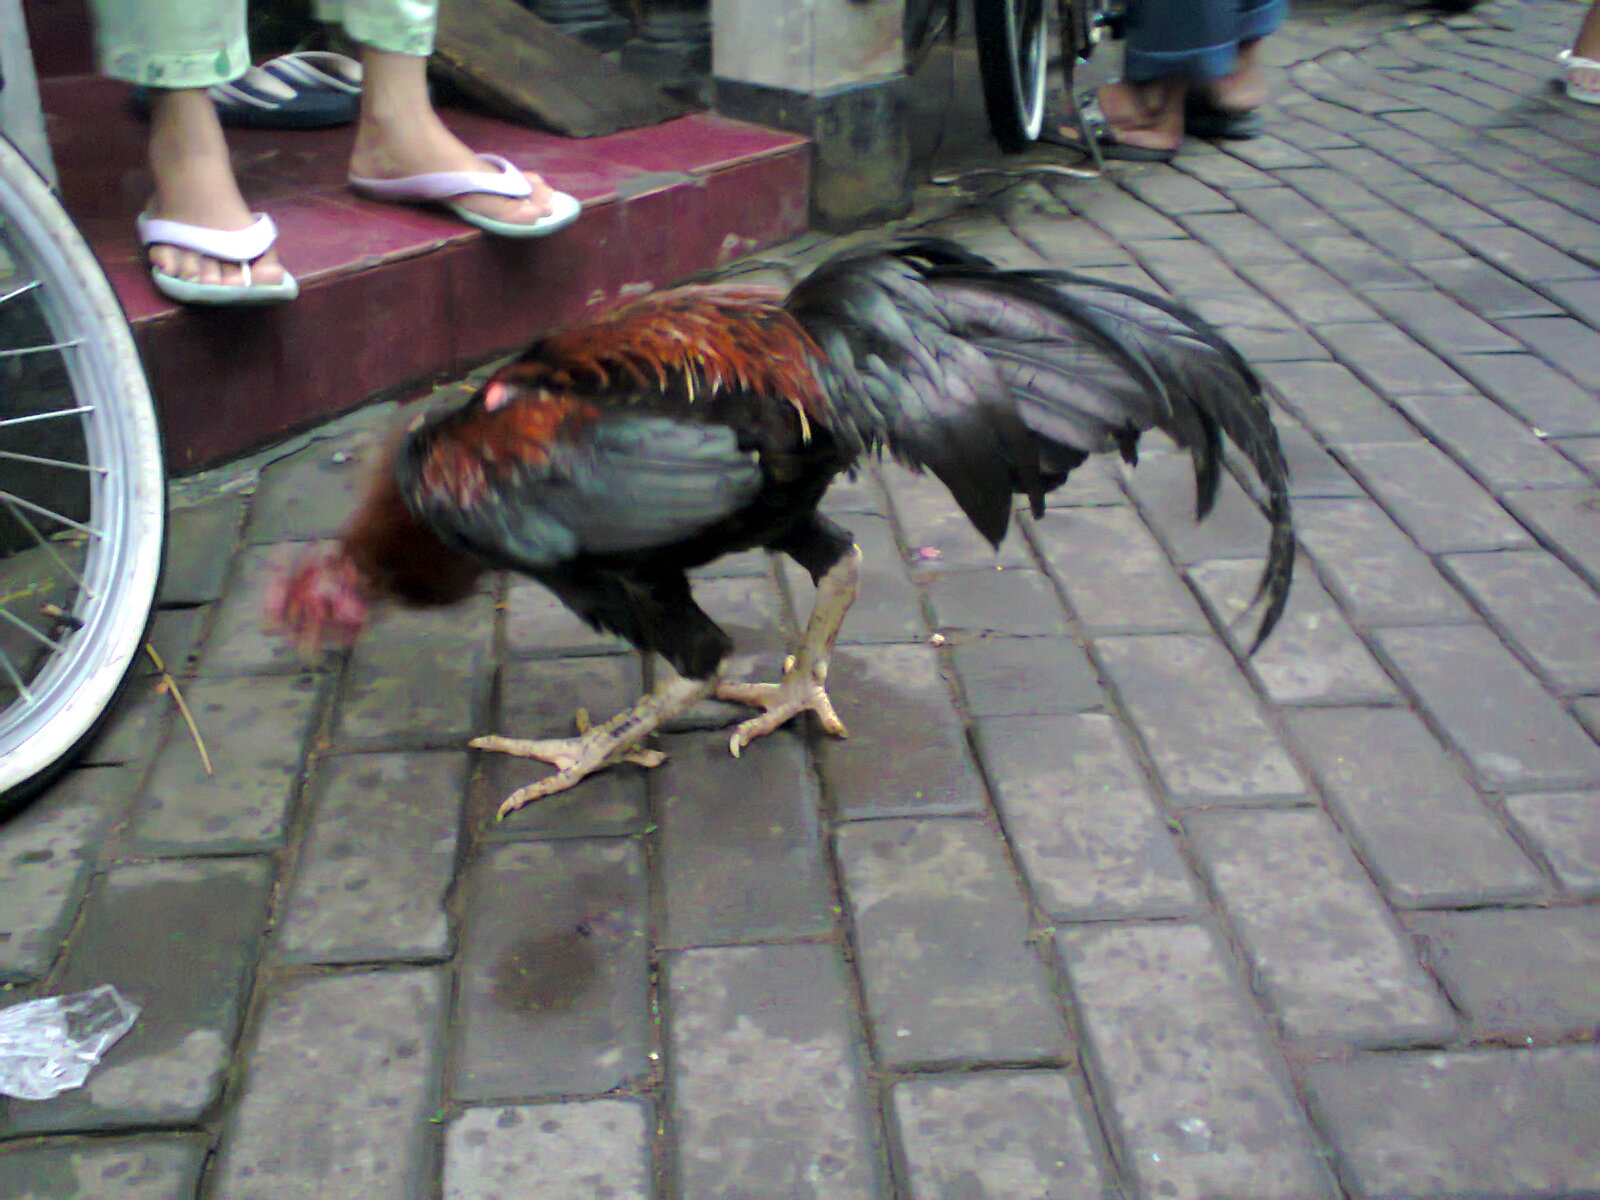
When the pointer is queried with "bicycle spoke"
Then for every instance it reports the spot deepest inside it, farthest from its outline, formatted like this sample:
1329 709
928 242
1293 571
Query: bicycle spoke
54 462
7 422
16 679
20 351
19 623
11 499
21 291
44 544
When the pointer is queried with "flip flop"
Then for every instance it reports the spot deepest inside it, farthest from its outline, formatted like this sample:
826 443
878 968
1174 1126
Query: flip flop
1571 62
1111 146
309 89
505 180
1203 118
242 246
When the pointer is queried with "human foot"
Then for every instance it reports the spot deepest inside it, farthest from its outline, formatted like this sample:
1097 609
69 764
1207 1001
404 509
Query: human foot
1140 121
1243 89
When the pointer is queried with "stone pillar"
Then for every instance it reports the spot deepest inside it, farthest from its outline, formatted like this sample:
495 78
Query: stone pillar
672 45
592 22
834 71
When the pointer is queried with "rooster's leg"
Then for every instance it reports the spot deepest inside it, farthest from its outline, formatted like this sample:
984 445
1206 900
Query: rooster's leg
805 673
603 745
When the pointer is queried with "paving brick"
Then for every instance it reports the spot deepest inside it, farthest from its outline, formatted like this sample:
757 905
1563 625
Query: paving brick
554 997
133 729
1427 836
889 609
1580 298
1316 931
1486 1124
1553 223
201 539
1583 451
1496 447
1186 268
145 1168
1241 307
1225 171
1307 291
1522 255
1312 657
310 493
419 677
1082 820
1566 344
1565 826
377 860
1287 213
1015 601
169 1068
253 730
998 1136
240 641
1358 263
1338 406
907 750
1433 500
174 635
942 943
46 854
1129 276
932 521
1513 735
1073 244
537 623
1440 323
1174 193
1312 470
1565 520
1485 289
1403 147
600 1148
1274 345
1472 183
1436 206
1375 571
1541 396
1518 972
1240 239
1203 727
1164 489
1401 235
741 857
339 1085
1549 614
767 1089
1011 676
1270 153
1183 1067
1329 189
1389 360
1114 574
1125 219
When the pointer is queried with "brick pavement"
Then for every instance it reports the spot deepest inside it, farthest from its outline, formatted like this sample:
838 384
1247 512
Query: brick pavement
1089 906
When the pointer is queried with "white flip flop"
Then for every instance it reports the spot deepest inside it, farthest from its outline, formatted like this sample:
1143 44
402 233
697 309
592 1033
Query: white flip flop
440 187
242 246
1571 62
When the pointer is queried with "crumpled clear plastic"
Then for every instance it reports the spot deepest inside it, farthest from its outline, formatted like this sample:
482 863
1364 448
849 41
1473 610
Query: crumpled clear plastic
49 1046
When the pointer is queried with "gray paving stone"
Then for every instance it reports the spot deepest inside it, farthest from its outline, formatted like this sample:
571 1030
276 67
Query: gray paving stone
1441 324
1187 268
1176 194
1496 447
1203 727
419 677
1358 263
1437 206
1307 291
1336 405
1001 1135
1184 1069
1552 223
1427 836
907 750
748 608
1433 500
1485 1124
942 943
161 1167
1518 972
174 635
1514 736
536 623
1566 344
1114 211
377 859
1580 298
1521 254
1540 395
201 539
1238 238
1403 147
939 536
1016 601
1270 153
1312 657
1011 676
254 730
1549 614
889 608
599 1148
1566 519
1316 931
554 997
1565 826
240 641
1389 360
741 854
133 730
1400 234
1330 189
1082 821
46 855
169 1068
766 1086
1073 244
1485 289
1312 470
1375 571
1094 484
339 1085
1164 489
311 493
1585 451
1284 211
1225 171
1114 574
1274 345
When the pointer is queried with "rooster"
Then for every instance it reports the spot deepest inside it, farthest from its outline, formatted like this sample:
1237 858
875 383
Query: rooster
609 459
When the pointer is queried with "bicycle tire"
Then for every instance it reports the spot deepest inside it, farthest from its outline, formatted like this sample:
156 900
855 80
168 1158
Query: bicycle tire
52 287
1013 39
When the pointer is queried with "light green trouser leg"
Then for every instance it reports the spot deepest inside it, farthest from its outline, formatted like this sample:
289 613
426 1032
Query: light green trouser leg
197 43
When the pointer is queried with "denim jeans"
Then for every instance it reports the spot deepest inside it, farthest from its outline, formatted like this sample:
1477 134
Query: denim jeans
1196 38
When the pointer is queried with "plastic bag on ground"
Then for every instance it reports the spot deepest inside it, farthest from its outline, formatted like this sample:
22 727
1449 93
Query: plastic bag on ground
49 1046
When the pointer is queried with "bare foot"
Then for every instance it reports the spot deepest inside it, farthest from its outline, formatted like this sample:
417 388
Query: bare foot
1147 114
194 184
400 134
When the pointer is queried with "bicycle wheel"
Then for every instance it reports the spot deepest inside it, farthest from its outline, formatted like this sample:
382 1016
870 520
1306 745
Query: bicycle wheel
1014 63
82 490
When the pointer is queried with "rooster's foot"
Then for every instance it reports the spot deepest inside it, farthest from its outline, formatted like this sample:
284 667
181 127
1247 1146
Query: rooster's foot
800 691
574 759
